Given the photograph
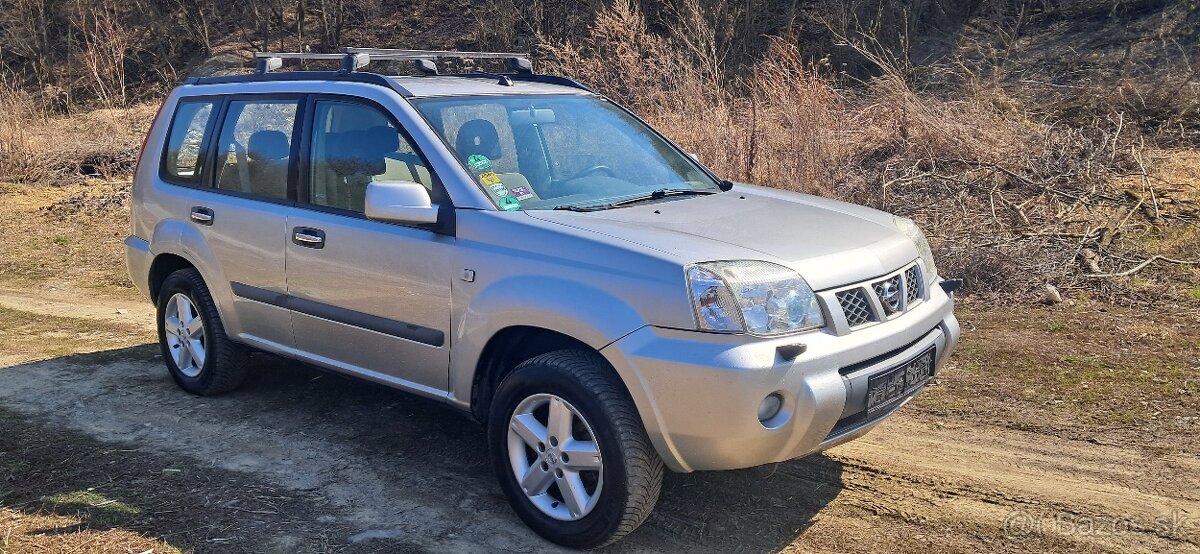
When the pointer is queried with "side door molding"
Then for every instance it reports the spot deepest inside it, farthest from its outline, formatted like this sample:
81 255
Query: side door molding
391 327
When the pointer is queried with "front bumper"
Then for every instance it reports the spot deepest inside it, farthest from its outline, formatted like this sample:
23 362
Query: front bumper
699 393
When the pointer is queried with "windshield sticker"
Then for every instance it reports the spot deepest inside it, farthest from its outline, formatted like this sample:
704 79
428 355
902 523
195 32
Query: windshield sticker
521 193
508 203
499 190
479 162
490 178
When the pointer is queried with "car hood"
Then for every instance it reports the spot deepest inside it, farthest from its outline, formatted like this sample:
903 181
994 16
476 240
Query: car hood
829 243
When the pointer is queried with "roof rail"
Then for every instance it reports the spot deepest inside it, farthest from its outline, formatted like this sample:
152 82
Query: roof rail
399 54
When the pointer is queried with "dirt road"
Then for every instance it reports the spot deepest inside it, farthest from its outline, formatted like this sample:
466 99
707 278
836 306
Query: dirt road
301 460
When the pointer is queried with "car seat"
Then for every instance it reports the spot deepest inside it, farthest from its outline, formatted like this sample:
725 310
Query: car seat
356 157
479 136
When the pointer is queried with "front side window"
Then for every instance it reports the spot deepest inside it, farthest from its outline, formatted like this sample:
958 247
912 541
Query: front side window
254 147
353 145
183 157
543 152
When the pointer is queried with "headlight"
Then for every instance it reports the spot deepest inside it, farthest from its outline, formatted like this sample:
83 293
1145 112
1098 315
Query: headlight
756 297
909 228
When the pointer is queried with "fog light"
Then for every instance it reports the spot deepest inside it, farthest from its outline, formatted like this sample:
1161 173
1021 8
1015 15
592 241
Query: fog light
770 407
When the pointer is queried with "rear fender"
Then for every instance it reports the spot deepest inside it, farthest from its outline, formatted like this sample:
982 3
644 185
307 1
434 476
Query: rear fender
172 236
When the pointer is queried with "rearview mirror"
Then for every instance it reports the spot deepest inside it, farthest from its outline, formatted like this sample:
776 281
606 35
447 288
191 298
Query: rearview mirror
531 116
400 202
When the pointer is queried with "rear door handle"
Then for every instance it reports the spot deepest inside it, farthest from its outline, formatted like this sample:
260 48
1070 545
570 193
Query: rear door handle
202 215
308 237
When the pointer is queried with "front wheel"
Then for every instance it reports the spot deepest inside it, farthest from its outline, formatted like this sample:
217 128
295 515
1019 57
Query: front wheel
570 451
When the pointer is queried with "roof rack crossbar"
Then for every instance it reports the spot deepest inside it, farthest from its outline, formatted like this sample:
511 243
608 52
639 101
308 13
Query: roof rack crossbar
354 59
299 55
270 61
400 54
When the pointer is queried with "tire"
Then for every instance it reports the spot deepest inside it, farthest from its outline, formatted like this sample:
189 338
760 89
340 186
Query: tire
222 363
626 485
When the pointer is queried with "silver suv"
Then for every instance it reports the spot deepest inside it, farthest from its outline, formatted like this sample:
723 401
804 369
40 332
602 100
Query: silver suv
521 248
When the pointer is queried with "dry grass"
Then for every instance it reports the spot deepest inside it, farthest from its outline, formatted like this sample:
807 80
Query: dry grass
37 147
48 532
1084 372
68 234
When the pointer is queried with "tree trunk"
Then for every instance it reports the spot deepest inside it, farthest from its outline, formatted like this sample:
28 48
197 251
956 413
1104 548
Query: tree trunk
300 9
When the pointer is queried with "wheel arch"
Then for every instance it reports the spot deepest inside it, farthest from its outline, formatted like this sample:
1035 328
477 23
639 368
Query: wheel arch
510 346
162 266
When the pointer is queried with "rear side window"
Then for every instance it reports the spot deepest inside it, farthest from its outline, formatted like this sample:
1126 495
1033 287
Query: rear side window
255 145
183 158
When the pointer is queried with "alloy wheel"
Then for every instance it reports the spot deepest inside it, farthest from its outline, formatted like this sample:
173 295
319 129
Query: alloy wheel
183 329
555 457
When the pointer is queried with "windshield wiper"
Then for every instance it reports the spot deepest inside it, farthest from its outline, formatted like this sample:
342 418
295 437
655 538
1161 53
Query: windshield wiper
583 208
660 193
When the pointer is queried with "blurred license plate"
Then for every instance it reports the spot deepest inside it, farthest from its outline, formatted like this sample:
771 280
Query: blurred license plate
886 388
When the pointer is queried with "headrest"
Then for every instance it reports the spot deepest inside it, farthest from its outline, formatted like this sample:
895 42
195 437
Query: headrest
478 136
268 145
355 153
382 139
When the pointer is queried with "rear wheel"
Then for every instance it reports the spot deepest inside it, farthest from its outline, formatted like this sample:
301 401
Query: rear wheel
200 357
570 450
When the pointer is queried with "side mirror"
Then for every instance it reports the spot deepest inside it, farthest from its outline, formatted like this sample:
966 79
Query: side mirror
400 202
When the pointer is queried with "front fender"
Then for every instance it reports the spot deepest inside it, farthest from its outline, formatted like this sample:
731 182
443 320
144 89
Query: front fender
587 313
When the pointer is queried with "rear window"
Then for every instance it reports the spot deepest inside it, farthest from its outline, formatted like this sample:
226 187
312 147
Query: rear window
183 158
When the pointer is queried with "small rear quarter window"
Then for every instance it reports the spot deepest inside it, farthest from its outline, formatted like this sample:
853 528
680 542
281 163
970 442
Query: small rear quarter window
184 155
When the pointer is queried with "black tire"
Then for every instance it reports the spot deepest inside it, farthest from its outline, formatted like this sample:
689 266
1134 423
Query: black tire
224 366
632 471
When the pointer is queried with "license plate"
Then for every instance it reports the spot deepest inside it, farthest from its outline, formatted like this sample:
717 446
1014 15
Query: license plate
885 388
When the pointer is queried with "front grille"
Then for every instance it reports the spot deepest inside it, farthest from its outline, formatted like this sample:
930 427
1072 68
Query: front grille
887 298
912 284
856 306
889 293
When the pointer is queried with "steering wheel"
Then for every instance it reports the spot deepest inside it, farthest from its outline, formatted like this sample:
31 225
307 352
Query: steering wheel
594 169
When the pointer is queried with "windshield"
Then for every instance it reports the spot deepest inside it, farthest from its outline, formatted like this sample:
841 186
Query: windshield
545 152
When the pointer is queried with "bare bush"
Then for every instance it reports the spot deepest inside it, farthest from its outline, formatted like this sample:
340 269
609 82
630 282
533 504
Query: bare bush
797 133
105 42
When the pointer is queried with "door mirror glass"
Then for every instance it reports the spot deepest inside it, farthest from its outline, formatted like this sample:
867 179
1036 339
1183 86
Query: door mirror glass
400 202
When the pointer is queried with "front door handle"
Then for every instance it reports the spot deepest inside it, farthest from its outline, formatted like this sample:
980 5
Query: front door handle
308 237
202 215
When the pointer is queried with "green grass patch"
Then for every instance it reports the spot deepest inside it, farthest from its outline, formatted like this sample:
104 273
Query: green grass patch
100 510
1056 326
